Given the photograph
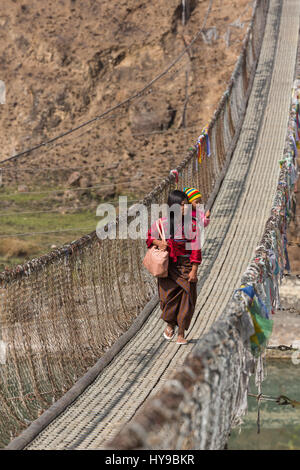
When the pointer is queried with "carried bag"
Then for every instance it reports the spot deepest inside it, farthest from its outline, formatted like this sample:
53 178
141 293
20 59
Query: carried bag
156 260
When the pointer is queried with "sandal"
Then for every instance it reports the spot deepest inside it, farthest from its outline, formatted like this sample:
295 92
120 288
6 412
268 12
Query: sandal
182 343
169 329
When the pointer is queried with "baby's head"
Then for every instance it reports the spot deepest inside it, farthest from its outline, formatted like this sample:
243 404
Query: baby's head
194 196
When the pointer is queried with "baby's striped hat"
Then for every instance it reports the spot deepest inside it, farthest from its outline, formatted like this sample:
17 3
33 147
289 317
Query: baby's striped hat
192 193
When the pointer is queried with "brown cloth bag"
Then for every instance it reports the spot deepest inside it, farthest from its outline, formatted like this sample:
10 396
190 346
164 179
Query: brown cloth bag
156 260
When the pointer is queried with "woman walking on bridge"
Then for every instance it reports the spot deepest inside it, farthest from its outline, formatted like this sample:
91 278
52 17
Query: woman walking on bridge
178 291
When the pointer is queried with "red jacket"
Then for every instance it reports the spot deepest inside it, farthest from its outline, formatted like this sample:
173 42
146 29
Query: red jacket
178 245
201 215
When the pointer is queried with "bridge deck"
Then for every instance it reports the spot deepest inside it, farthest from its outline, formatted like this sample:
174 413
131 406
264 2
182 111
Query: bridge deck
245 196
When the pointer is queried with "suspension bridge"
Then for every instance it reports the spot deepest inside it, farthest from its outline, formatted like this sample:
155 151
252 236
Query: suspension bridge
86 364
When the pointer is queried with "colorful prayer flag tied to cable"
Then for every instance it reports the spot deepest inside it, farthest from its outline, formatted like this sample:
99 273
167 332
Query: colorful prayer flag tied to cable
262 324
296 105
203 144
176 174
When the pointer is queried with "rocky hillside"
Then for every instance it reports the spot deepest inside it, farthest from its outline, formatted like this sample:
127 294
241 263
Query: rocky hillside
66 61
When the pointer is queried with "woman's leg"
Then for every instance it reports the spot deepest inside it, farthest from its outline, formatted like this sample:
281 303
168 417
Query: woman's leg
182 317
170 298
186 309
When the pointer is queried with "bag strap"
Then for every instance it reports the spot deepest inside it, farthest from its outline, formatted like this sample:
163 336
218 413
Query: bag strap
161 231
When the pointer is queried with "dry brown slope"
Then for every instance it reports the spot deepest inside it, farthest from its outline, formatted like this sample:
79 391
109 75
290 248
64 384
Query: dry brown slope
67 61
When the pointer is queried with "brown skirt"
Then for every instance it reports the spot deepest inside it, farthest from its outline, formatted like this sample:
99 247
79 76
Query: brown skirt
177 295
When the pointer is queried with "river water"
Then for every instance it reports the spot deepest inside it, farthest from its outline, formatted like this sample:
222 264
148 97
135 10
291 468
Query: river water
279 424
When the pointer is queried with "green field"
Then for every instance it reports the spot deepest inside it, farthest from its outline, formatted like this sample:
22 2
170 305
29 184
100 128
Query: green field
25 236
31 223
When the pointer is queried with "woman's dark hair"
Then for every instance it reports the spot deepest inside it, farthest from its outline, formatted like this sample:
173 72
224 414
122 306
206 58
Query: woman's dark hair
175 197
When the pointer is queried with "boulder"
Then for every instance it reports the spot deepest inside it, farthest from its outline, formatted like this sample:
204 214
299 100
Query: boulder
22 188
69 195
74 179
151 115
85 182
106 193
95 65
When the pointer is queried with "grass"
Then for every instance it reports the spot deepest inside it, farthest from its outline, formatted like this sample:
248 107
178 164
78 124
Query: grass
44 222
16 249
20 239
20 199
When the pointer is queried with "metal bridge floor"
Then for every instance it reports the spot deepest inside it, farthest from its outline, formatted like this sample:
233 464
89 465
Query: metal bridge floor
237 223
